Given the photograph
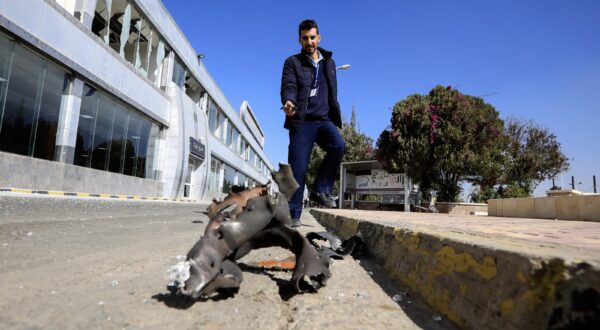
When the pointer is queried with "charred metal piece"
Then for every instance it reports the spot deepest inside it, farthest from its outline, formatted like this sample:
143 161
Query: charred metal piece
237 198
337 248
206 257
236 201
246 220
312 267
285 180
229 277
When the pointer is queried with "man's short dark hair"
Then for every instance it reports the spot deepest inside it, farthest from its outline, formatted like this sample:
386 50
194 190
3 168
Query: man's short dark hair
307 24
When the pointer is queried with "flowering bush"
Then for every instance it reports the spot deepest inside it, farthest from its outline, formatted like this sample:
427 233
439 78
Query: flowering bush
441 139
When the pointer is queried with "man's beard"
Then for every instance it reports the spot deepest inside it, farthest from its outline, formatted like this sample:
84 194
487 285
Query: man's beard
310 50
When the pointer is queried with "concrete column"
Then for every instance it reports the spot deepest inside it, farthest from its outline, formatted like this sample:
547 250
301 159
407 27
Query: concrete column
167 76
86 10
68 121
156 152
342 186
204 102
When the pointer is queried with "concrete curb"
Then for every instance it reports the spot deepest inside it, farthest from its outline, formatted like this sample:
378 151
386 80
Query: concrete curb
480 282
79 194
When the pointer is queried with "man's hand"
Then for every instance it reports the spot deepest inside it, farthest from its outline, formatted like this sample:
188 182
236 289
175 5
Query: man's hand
289 108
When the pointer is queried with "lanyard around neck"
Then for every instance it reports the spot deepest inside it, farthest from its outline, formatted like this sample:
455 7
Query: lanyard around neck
316 81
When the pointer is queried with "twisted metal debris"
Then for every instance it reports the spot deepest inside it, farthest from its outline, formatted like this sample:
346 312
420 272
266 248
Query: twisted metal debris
243 221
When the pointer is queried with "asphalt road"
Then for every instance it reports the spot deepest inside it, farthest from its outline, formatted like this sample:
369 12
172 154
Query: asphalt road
79 263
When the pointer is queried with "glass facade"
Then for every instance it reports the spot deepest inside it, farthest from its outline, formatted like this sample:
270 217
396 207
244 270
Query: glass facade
31 91
112 136
122 27
223 176
223 129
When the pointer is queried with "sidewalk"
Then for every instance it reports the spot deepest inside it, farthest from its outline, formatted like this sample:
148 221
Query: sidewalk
485 272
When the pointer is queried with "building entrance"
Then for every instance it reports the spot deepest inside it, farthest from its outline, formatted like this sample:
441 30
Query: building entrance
189 186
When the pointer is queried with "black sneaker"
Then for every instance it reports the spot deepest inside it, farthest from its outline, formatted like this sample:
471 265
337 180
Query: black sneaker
322 199
296 223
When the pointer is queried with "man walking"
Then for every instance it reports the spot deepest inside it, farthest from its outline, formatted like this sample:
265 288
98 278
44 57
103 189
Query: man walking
309 98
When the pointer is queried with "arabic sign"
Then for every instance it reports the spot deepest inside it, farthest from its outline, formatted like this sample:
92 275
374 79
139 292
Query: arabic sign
380 179
197 148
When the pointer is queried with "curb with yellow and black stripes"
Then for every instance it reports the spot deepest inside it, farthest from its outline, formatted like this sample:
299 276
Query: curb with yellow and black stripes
79 194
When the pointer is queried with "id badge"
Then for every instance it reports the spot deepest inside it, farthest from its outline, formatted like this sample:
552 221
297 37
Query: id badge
313 92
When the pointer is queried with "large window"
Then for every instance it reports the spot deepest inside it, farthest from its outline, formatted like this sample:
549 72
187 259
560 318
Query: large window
31 90
85 130
215 174
251 156
242 180
111 136
221 119
243 149
228 178
228 138
212 116
117 141
102 132
132 144
178 73
143 168
235 140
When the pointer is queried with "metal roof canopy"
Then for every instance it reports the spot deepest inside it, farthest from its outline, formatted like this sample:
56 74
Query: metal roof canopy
364 165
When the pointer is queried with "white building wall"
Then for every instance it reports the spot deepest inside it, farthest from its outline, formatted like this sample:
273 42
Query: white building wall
50 27
156 12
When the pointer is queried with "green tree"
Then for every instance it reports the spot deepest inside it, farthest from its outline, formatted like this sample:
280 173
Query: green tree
359 147
530 155
441 139
533 155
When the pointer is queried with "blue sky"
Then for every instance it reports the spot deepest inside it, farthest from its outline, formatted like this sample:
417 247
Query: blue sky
534 60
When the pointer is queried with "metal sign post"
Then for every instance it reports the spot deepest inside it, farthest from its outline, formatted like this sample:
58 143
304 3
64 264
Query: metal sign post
407 183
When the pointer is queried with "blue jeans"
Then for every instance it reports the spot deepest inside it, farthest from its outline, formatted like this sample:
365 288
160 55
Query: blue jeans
302 141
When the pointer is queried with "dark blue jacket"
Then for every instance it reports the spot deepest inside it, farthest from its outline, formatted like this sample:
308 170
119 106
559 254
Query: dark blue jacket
296 81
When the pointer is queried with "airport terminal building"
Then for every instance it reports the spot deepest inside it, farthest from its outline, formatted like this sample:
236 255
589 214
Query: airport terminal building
109 97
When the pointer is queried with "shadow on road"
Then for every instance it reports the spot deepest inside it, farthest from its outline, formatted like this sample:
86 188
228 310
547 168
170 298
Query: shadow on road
185 302
174 301
286 289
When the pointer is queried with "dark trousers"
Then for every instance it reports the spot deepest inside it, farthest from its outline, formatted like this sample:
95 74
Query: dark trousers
302 141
